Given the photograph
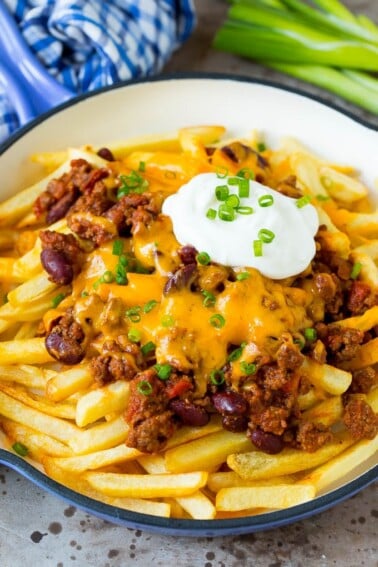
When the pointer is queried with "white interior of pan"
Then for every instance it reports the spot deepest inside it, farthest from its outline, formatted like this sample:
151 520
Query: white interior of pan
161 107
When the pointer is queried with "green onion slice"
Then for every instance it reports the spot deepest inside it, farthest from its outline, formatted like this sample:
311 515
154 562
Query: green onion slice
221 172
266 235
235 354
147 348
134 314
211 214
248 368
145 388
355 271
20 449
303 201
134 335
257 248
107 277
163 371
217 377
244 210
203 258
261 147
242 276
266 200
209 300
226 213
57 299
310 334
150 305
167 321
232 201
217 321
222 192
117 249
246 173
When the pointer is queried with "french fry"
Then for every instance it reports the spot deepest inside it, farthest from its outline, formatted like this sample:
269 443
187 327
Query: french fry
367 355
34 312
29 376
333 380
256 465
32 290
38 444
103 436
198 506
147 486
63 410
340 186
205 453
278 496
79 484
229 479
98 403
327 412
336 468
32 351
98 459
19 412
361 322
63 385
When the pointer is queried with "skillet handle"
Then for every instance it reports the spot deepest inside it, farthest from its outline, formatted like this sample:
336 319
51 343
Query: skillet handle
32 90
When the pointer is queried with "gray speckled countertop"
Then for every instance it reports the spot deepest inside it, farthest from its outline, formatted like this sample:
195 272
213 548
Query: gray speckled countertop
37 528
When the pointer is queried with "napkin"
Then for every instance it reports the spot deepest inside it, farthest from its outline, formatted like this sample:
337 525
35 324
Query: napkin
86 44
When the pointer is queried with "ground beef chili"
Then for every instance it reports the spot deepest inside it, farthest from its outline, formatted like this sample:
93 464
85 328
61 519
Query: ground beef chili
263 401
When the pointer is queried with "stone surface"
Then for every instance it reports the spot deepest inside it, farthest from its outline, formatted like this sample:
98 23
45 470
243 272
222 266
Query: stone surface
37 528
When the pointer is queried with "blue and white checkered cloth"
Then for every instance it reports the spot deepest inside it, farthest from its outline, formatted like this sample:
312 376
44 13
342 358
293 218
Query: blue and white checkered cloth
86 44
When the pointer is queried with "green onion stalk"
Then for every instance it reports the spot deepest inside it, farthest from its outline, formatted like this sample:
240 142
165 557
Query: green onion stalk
324 44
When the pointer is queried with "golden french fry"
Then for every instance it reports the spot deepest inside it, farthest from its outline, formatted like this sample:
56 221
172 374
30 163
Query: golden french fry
205 453
29 376
79 484
98 403
329 378
198 506
63 410
98 459
147 486
257 465
343 464
32 290
62 385
219 480
327 412
58 428
278 496
340 186
27 351
38 444
363 322
34 311
103 436
367 355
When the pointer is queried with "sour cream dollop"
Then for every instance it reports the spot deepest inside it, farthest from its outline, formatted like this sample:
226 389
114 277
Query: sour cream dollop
231 243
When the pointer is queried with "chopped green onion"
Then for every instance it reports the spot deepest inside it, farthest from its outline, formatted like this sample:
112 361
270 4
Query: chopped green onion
203 258
20 449
123 260
221 172
134 314
57 299
120 273
97 284
322 197
244 210
226 213
266 200
266 235
310 334
132 183
235 354
261 147
150 305
211 214
147 348
217 377
217 321
167 321
163 371
144 387
209 300
246 173
243 188
107 277
232 201
117 247
243 276
142 166
248 368
134 335
84 293
222 192
300 342
356 269
303 201
257 248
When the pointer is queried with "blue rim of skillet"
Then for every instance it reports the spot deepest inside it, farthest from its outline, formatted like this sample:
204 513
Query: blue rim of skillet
173 526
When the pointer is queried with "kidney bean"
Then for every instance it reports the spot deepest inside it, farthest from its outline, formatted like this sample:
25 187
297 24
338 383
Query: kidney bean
189 413
230 403
64 349
105 153
267 442
187 254
57 266
61 207
235 423
182 277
